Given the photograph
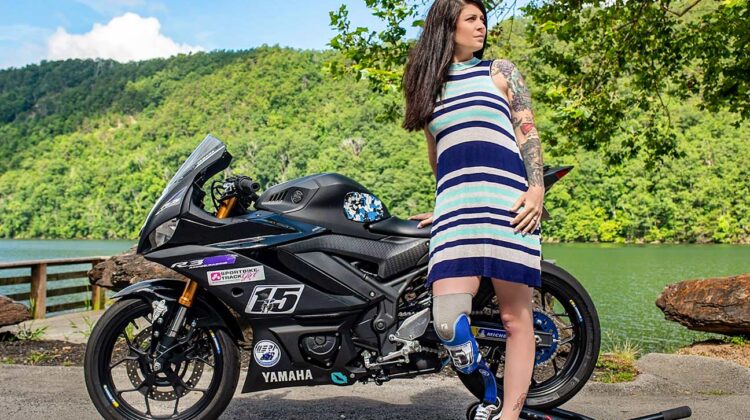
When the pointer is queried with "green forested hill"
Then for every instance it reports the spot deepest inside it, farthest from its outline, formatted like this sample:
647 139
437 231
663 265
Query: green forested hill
87 146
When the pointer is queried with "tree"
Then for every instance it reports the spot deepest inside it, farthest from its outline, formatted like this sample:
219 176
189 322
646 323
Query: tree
605 67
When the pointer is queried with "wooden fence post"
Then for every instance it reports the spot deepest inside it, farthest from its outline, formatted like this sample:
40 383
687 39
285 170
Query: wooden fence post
39 290
98 296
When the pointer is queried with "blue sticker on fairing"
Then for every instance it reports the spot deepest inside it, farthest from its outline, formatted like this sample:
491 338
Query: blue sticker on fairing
363 207
339 378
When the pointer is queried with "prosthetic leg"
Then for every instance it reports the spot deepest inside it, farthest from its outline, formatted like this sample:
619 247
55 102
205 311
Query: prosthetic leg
453 327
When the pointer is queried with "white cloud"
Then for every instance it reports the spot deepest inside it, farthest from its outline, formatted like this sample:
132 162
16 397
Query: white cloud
125 38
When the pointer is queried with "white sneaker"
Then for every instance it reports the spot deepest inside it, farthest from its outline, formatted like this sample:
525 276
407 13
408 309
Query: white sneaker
487 412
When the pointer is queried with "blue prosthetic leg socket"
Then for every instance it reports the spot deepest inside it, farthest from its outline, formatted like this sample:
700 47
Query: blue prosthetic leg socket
467 360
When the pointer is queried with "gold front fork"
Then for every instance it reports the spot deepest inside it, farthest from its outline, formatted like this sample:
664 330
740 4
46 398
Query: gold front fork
188 294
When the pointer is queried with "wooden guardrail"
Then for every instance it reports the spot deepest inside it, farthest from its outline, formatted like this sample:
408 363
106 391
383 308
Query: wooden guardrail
38 280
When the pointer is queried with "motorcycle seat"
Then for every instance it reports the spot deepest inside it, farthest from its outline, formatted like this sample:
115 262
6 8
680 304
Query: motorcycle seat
399 227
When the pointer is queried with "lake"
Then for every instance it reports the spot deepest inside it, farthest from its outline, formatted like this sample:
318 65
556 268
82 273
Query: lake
623 280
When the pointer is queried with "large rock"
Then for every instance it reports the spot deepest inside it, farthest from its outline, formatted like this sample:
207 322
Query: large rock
718 305
12 312
128 268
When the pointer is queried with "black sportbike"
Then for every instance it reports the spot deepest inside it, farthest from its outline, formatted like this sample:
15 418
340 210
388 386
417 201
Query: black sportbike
332 286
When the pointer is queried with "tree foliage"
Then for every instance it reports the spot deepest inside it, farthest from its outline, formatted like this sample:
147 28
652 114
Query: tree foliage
98 174
604 66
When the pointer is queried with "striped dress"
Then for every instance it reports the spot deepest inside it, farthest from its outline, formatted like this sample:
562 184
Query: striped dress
480 174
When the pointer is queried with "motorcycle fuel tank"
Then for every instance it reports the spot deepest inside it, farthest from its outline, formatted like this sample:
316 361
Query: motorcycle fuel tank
330 200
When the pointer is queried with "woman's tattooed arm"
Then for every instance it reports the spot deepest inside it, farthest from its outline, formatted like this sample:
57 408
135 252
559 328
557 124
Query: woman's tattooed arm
523 120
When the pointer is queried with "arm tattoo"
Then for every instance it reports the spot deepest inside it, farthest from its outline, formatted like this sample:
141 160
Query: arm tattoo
531 151
521 97
525 126
523 121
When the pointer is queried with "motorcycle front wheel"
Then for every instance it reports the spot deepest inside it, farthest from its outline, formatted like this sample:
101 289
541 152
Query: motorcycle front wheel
198 381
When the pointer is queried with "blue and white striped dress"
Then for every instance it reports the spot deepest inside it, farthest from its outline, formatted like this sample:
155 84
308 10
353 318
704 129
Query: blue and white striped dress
480 174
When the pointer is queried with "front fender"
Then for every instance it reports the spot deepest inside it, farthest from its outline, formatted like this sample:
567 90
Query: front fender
171 289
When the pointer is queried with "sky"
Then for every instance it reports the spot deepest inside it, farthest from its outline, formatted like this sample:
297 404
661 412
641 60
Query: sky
125 30
33 30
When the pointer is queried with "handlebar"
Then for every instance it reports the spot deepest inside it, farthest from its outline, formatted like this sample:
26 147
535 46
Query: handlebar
248 186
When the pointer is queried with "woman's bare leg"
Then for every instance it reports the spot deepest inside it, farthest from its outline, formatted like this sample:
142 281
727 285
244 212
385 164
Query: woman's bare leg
449 286
516 315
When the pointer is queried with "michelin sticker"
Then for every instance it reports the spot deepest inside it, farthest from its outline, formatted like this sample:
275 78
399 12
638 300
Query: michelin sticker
489 333
237 275
266 353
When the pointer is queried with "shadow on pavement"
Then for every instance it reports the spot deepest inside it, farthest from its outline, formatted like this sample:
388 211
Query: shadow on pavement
369 403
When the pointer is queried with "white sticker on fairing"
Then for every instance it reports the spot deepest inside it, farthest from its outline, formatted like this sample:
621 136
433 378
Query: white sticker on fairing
288 376
274 299
266 353
237 275
462 355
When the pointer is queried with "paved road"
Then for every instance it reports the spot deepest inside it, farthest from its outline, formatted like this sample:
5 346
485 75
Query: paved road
712 388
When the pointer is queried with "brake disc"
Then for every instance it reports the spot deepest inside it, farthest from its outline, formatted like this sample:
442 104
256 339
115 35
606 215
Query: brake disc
137 375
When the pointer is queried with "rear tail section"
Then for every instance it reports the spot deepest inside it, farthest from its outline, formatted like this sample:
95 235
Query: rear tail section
553 174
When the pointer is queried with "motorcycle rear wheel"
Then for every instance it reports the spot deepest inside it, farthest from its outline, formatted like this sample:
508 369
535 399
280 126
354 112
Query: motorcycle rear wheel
562 298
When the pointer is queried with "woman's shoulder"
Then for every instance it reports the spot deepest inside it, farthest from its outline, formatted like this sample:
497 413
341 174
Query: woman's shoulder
501 65
500 71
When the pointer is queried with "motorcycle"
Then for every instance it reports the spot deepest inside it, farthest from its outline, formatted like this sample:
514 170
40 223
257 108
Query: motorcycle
331 284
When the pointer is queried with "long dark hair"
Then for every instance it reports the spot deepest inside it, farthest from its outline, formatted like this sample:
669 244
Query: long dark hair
429 60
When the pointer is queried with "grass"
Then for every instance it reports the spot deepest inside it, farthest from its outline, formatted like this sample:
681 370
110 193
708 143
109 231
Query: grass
87 328
625 350
37 357
736 340
716 392
617 364
29 332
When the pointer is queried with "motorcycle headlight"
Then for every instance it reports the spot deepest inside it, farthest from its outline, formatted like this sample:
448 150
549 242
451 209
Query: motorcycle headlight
163 233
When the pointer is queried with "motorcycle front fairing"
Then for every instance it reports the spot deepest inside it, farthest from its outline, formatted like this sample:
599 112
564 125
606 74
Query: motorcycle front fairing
178 218
224 257
207 159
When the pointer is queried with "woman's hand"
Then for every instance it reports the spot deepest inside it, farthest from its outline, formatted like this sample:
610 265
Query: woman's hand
426 219
531 216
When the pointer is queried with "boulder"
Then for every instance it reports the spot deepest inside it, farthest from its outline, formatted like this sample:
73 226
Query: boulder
718 305
128 268
12 312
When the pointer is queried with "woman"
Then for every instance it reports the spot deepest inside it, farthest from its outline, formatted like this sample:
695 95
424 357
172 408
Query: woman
486 155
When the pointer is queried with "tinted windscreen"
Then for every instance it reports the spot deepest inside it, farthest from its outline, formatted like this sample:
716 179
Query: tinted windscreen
209 147
208 151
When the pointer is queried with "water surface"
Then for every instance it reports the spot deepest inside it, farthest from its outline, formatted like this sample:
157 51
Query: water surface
623 280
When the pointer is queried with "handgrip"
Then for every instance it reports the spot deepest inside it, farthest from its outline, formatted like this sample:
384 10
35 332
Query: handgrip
249 186
677 413
671 414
